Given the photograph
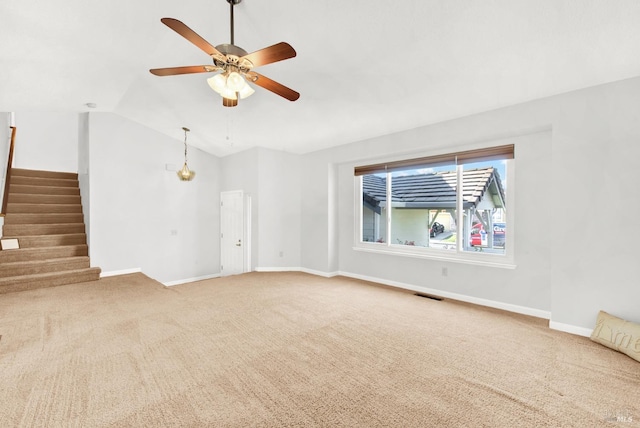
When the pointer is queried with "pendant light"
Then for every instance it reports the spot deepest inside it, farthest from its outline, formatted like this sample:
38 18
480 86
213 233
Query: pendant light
185 174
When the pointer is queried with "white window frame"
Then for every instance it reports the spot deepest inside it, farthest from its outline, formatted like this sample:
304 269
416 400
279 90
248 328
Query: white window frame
506 260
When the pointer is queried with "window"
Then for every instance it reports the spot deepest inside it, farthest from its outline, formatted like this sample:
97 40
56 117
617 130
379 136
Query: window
446 205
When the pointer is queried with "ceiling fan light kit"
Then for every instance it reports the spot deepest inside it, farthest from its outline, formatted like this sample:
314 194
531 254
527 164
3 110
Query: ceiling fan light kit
234 63
230 86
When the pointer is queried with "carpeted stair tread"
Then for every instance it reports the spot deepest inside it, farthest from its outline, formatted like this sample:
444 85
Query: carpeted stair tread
39 181
31 241
43 218
43 174
43 266
43 208
50 279
42 190
43 198
18 230
40 253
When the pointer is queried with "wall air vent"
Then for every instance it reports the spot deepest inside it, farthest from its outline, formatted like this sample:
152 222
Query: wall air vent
428 296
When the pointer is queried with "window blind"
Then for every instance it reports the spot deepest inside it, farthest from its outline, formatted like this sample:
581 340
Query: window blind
457 158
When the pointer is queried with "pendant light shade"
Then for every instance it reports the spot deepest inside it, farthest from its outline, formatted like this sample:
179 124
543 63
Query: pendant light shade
185 174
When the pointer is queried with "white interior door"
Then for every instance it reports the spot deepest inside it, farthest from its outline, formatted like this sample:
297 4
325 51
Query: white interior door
232 233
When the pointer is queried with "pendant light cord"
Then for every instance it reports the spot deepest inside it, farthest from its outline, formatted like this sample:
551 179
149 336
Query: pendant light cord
185 143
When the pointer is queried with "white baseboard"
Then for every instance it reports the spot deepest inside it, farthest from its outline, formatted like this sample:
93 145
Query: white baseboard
296 269
185 281
119 272
320 273
167 284
568 328
538 313
276 269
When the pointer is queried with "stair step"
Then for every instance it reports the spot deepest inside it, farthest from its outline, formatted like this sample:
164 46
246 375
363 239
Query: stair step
44 182
35 241
51 279
31 198
44 213
15 189
42 208
18 230
43 174
40 253
43 218
43 266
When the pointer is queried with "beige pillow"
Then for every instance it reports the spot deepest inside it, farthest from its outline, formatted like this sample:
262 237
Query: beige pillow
618 334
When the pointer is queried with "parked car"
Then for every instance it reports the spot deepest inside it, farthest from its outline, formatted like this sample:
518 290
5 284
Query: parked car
436 229
479 236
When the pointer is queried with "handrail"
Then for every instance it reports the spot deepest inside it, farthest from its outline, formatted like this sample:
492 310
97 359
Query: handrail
7 179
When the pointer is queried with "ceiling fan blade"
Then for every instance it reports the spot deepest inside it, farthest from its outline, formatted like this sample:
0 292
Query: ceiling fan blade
274 87
186 32
172 71
271 54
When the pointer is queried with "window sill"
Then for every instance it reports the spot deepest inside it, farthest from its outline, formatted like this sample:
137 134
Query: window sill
489 260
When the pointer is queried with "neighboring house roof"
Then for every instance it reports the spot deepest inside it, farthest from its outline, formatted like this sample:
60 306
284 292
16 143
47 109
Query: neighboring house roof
436 190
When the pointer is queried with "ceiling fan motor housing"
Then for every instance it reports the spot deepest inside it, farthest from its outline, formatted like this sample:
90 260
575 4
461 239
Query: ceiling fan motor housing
229 49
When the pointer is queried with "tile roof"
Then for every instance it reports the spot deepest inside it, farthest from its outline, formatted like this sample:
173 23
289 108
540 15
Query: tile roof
435 190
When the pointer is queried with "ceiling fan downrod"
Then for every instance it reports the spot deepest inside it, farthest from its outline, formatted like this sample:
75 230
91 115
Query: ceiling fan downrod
231 4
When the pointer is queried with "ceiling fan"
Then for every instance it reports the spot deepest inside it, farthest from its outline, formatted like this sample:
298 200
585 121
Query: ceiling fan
235 63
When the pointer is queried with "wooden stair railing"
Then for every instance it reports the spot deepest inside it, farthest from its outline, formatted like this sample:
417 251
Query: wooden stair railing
8 174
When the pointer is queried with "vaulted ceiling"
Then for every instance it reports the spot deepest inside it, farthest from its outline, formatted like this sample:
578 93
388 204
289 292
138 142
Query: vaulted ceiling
364 67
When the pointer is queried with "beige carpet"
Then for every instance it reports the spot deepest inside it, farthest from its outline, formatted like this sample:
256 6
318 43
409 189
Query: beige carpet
294 350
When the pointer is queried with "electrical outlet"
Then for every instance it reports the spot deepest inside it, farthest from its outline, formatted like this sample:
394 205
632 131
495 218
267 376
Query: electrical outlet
445 271
281 253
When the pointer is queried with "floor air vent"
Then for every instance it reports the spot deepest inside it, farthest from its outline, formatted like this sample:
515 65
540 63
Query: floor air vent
428 296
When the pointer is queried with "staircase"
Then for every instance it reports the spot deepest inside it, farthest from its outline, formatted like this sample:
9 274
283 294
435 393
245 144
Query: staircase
45 214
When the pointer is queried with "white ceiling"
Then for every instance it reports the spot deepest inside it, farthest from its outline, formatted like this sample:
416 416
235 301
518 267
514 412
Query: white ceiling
364 67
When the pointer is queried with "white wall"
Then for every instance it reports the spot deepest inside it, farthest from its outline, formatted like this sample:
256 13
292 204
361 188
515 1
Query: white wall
5 141
566 267
595 161
279 214
272 180
83 173
318 210
46 141
142 216
240 172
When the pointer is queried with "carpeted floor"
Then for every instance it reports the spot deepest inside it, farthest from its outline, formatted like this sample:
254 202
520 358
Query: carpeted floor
294 350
